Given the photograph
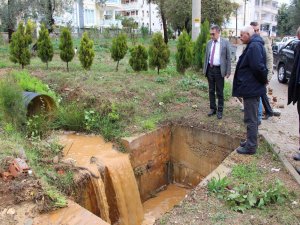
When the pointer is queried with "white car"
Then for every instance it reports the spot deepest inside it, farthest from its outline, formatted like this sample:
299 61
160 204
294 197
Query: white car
283 42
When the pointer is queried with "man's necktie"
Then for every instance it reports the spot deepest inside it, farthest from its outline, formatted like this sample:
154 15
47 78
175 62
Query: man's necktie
213 54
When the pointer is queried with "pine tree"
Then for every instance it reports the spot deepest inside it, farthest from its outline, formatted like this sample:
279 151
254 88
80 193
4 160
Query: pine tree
44 45
138 59
184 55
200 45
119 48
159 53
66 46
19 46
86 51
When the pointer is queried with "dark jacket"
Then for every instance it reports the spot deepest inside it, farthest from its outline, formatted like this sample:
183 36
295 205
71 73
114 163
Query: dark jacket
251 73
294 82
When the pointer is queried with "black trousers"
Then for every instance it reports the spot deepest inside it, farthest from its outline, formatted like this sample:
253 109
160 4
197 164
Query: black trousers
216 86
266 104
298 107
251 121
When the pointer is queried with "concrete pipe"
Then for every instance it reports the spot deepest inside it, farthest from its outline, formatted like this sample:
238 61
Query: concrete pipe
36 103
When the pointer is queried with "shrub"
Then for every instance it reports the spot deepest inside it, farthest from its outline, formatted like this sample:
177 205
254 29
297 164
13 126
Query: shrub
144 31
159 53
86 51
184 55
138 59
66 46
19 46
200 46
12 106
44 46
119 48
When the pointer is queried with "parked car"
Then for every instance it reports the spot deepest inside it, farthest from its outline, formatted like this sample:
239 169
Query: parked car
284 60
284 41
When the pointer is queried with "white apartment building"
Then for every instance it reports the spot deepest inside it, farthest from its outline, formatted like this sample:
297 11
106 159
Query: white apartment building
265 14
262 11
96 13
143 13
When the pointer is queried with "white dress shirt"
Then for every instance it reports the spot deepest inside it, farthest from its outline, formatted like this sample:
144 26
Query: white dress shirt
217 54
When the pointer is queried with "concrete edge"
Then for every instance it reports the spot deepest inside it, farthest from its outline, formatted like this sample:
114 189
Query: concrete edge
283 159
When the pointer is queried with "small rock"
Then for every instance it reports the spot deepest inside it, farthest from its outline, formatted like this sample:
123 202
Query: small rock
274 99
276 112
194 106
4 212
22 154
55 159
161 103
11 211
281 106
28 221
69 161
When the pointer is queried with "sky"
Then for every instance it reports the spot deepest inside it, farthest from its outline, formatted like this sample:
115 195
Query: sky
284 1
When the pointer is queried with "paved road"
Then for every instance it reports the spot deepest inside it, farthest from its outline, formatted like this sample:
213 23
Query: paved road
283 130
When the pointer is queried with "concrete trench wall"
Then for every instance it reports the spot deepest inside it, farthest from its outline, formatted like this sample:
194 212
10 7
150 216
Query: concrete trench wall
181 154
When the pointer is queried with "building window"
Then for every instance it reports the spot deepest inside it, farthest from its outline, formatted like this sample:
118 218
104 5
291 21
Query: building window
89 16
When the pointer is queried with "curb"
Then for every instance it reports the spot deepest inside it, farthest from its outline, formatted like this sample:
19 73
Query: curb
283 159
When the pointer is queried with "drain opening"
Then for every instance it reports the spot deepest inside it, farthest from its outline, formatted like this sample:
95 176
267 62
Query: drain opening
171 155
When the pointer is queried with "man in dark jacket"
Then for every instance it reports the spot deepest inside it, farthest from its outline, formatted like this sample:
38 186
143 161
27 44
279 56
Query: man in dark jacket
294 87
249 82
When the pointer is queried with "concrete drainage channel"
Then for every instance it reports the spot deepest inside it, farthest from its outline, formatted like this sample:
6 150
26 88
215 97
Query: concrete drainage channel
139 187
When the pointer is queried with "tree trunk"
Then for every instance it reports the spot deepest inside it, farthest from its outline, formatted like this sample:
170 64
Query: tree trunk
68 66
22 66
117 66
47 64
164 21
10 19
157 70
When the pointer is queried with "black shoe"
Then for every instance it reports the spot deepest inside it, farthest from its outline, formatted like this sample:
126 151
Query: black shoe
259 123
243 143
211 112
243 150
267 116
297 157
298 170
219 115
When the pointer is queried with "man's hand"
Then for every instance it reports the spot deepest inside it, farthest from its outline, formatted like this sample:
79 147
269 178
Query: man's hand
227 75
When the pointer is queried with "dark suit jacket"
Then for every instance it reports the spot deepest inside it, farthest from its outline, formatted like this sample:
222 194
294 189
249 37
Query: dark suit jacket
294 82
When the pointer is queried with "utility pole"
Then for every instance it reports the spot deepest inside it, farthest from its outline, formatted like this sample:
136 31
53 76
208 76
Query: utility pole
245 3
196 18
150 13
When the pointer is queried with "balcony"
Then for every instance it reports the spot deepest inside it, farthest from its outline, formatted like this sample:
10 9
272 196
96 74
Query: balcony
110 23
110 4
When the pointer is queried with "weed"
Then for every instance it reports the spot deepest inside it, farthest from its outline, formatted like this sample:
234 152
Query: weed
166 97
37 126
59 201
227 91
246 172
161 80
218 185
29 83
12 106
148 125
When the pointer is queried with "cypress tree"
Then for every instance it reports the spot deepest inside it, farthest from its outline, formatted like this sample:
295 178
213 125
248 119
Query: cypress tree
159 52
66 46
86 51
200 45
44 45
119 48
184 55
138 59
19 46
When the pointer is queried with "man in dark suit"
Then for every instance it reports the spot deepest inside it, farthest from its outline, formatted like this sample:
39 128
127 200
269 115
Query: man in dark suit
294 87
249 82
217 65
